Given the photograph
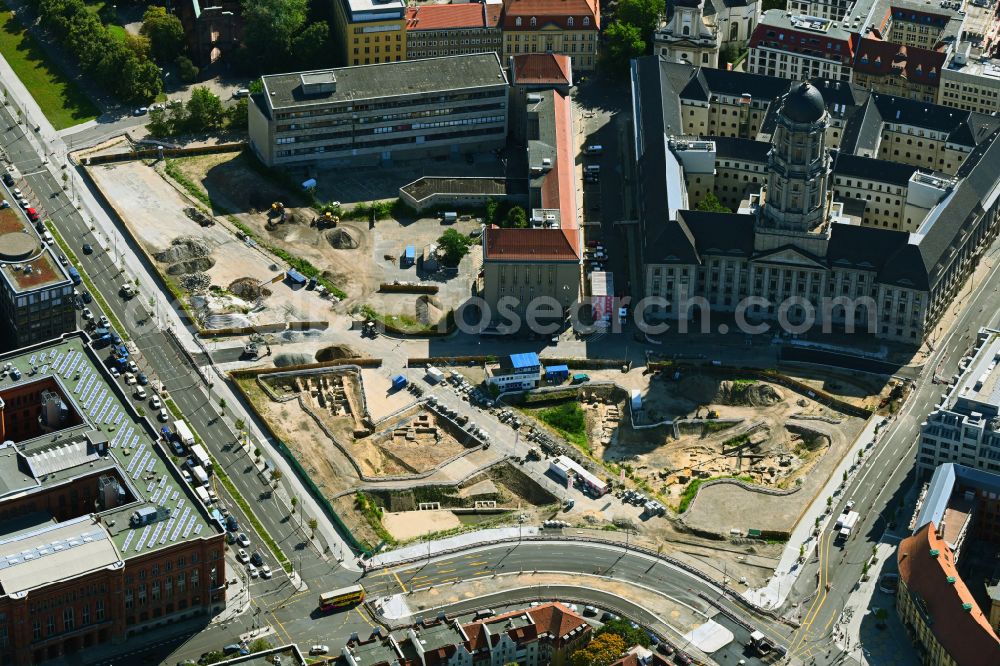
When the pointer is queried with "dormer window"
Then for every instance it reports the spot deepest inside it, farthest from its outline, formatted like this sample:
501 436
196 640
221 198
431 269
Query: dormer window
586 21
569 22
534 21
517 21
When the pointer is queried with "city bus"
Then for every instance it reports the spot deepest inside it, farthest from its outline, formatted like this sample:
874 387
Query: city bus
342 598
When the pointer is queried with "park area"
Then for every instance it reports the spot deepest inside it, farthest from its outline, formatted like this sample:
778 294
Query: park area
61 100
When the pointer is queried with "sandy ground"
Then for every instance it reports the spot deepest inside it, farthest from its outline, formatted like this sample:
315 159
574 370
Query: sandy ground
154 213
382 400
406 525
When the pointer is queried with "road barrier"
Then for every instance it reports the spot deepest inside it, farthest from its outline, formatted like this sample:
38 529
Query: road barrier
155 153
390 288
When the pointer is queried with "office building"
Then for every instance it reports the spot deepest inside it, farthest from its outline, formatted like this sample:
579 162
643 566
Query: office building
101 539
370 31
965 427
686 37
537 270
566 27
800 47
36 296
542 635
517 372
447 30
372 114
797 242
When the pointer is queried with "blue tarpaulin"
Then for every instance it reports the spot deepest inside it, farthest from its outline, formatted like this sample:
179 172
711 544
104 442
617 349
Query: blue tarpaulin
295 276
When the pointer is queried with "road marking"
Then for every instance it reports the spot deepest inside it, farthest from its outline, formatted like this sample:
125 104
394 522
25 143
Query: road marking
400 581
362 616
443 571
820 588
478 564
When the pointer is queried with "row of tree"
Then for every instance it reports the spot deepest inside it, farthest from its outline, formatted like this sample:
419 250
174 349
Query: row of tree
203 113
121 63
286 35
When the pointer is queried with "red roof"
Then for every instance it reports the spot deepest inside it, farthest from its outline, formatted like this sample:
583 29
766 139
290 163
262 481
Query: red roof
542 69
927 568
551 12
528 245
916 65
442 17
553 618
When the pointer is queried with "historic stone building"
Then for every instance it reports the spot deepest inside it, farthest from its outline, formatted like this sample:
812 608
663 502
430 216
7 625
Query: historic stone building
685 37
890 225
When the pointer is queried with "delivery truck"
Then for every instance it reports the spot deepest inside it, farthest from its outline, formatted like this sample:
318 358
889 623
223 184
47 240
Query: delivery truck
201 457
199 475
434 375
184 434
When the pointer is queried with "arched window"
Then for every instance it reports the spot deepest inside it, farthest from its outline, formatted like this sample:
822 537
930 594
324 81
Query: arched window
517 21
686 30
569 22
534 21
586 21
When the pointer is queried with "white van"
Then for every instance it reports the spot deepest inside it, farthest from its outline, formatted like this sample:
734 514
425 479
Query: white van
47 237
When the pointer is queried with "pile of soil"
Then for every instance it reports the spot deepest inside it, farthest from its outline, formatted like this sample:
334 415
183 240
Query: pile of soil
299 216
195 283
285 360
428 310
335 352
248 289
747 394
183 249
341 239
198 265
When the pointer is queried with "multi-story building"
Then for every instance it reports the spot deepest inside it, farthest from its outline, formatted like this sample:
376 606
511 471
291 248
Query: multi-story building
36 296
800 47
959 509
797 244
903 71
211 31
917 24
443 30
937 607
538 268
835 10
373 114
370 31
971 80
965 427
685 36
732 20
516 372
101 539
566 27
542 635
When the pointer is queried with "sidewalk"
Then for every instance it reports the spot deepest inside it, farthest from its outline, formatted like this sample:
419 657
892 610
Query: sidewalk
785 574
441 546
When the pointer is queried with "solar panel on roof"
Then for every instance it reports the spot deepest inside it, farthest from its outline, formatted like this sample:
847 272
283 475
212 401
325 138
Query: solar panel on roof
155 536
111 414
174 497
83 378
149 488
166 530
31 361
142 538
166 494
44 369
197 529
181 503
118 419
135 440
128 540
163 481
180 524
190 526
155 496
152 464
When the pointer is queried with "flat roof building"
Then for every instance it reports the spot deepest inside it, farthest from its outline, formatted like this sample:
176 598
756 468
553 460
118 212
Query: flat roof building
377 113
36 296
96 521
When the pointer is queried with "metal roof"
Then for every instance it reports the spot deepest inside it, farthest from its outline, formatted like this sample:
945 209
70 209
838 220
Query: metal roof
526 360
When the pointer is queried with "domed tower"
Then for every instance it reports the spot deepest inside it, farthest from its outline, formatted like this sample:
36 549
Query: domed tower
798 165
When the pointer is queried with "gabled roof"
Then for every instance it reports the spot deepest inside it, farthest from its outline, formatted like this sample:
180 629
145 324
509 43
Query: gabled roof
441 17
551 12
542 69
528 245
927 569
916 65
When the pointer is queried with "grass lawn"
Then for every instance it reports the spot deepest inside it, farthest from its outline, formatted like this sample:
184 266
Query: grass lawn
60 99
568 420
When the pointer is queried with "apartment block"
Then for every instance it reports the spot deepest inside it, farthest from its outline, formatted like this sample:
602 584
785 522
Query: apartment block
565 27
800 47
454 29
371 31
36 295
101 538
372 114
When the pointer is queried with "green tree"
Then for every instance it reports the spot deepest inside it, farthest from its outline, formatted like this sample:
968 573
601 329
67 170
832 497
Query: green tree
187 70
629 634
270 26
204 110
454 245
491 211
260 645
516 218
213 657
605 649
712 204
164 31
311 48
313 524
643 14
236 116
624 43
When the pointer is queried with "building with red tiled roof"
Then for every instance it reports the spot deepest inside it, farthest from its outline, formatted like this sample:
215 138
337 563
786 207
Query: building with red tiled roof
454 29
532 71
937 608
567 27
522 266
894 69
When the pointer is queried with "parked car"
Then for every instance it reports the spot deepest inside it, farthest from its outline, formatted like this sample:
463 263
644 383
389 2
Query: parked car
142 379
242 556
243 540
8 179
257 559
265 571
319 649
141 111
253 571
155 403
105 322
163 416
86 297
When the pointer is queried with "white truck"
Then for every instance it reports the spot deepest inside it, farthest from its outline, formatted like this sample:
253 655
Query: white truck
434 375
846 523
184 433
199 475
202 494
201 457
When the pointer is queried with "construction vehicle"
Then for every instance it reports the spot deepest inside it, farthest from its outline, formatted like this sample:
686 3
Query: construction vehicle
277 211
326 221
250 351
369 330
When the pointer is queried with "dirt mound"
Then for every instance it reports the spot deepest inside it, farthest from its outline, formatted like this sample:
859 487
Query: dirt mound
428 310
341 239
285 360
299 216
198 265
183 249
248 289
747 393
335 352
195 283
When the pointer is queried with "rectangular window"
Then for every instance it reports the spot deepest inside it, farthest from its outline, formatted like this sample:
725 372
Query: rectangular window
36 630
128 599
142 594
180 583
85 616
99 607
69 623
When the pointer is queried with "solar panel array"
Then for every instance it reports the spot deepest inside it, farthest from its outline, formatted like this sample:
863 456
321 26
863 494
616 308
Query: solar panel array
57 546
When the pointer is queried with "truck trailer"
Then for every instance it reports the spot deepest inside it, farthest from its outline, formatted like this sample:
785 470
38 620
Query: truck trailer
184 433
